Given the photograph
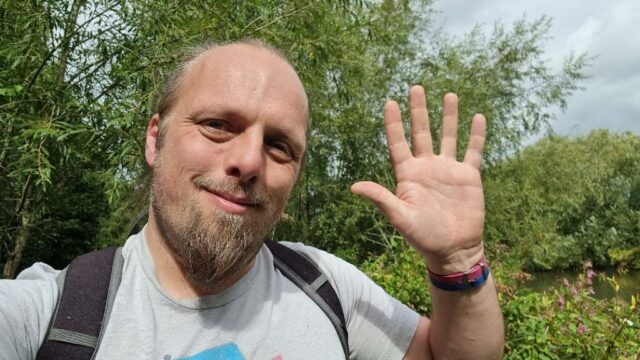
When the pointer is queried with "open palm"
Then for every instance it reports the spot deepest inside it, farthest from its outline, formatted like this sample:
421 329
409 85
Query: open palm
439 205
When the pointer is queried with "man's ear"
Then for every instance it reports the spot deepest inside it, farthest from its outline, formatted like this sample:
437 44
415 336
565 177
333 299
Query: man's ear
151 139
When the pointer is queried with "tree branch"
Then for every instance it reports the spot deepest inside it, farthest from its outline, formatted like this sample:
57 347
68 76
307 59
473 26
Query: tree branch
283 16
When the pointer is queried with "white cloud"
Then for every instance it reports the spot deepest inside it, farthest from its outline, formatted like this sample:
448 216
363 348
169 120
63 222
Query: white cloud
612 96
608 29
613 37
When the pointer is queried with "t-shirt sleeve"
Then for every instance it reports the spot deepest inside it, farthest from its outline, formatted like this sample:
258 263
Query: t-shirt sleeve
26 307
379 326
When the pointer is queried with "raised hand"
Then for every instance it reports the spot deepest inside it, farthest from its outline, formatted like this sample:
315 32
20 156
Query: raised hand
438 206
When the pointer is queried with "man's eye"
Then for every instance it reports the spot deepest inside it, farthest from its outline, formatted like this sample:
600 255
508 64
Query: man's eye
280 151
215 124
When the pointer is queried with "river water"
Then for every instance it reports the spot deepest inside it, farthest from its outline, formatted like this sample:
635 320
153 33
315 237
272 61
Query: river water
629 282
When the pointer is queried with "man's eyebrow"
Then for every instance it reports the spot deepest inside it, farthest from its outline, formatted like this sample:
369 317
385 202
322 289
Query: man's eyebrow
206 110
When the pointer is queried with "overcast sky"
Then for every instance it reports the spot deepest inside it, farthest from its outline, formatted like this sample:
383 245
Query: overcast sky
608 29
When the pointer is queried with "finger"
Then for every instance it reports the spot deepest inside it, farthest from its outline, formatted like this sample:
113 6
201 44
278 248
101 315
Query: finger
449 126
398 147
420 133
477 137
380 196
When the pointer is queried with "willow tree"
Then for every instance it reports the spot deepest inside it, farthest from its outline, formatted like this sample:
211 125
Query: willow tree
53 67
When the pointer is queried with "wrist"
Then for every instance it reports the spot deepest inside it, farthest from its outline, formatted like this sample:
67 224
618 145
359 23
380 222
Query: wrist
456 262
472 278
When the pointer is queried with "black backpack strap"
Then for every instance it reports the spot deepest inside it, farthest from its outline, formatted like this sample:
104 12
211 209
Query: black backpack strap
84 305
310 279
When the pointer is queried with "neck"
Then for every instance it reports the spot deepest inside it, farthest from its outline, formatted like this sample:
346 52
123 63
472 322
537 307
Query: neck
171 274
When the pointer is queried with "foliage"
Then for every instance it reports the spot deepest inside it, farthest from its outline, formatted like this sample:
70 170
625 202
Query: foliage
402 273
52 65
568 323
563 201
627 258
564 323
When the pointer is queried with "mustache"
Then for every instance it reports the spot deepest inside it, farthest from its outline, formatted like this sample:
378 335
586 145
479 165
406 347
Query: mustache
256 197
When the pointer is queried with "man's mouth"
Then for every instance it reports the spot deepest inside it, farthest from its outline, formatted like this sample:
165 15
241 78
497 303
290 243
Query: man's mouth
240 200
230 203
229 198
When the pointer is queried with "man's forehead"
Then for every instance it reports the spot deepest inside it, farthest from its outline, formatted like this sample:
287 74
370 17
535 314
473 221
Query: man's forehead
249 63
243 57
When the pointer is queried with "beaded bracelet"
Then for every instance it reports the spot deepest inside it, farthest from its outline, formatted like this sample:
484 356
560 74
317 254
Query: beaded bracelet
461 281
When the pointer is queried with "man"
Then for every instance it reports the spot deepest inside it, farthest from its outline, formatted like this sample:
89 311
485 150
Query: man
226 146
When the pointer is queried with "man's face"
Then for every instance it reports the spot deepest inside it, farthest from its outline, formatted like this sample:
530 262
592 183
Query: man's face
230 155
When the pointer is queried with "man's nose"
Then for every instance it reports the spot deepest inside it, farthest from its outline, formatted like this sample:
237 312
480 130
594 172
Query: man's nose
246 158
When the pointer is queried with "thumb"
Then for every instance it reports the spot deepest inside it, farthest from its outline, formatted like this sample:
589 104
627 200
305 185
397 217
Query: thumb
381 197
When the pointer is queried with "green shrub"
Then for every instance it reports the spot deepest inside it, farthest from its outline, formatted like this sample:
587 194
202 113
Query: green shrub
562 201
564 323
569 323
403 274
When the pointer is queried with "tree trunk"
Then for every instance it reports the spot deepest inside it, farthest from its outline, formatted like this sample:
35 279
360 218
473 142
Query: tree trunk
5 144
26 214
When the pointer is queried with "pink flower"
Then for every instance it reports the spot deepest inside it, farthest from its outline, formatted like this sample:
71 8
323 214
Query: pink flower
582 329
561 302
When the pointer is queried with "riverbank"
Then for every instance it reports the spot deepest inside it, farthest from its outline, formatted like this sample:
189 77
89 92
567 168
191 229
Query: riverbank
602 284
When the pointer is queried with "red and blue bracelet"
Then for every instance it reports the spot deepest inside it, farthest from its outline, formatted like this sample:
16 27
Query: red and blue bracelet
460 281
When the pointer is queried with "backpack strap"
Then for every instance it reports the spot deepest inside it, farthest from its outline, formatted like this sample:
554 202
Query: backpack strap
84 305
305 274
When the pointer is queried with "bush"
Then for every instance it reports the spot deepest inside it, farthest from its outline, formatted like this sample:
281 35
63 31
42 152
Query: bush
565 323
403 274
563 201
568 323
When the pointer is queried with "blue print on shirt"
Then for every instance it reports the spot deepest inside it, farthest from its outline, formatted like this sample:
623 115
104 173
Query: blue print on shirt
228 351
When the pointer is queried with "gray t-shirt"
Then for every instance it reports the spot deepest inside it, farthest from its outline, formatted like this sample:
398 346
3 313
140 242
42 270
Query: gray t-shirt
262 316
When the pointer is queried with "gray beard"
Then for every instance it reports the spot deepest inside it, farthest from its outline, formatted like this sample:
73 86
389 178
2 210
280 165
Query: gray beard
212 247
